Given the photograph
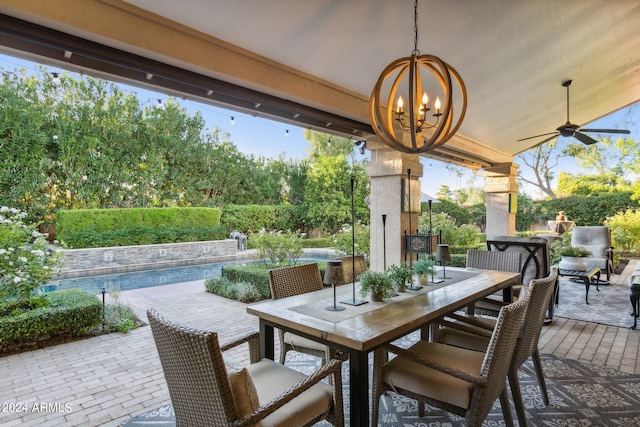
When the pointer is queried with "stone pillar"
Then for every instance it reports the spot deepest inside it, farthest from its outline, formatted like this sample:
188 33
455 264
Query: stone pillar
501 190
388 170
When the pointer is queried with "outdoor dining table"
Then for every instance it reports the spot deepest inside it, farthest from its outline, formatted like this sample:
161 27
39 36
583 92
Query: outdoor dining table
358 330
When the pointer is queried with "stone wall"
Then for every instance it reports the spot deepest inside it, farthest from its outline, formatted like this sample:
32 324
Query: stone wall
83 262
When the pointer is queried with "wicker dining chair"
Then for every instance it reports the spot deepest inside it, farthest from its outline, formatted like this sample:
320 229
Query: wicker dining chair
461 381
493 260
295 280
457 334
205 393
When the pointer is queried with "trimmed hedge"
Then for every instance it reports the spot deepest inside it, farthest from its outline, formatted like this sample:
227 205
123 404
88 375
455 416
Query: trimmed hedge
70 313
142 235
253 218
95 228
104 220
257 275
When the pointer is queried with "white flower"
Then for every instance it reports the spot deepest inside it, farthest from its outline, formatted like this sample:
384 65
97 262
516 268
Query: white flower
17 279
3 251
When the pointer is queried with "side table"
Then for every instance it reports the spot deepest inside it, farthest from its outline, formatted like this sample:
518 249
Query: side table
587 278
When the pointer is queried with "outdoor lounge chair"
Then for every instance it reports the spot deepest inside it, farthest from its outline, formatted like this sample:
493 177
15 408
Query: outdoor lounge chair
204 393
596 240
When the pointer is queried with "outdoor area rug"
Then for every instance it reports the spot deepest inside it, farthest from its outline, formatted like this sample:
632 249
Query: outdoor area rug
581 395
610 306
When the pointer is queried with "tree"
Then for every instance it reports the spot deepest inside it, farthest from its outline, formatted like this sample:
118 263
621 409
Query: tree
541 160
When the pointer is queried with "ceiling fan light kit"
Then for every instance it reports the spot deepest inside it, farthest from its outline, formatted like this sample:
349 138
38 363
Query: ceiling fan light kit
569 129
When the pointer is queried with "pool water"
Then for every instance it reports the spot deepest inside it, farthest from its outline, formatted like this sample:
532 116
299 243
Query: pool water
147 278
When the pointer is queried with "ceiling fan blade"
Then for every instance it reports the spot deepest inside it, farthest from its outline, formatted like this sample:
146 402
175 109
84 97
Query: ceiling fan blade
538 136
625 131
585 139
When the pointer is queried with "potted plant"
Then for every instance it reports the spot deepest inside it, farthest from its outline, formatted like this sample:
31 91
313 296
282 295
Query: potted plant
400 275
572 258
377 285
422 268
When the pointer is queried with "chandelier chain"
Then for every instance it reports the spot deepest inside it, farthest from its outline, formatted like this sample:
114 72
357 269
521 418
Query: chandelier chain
415 29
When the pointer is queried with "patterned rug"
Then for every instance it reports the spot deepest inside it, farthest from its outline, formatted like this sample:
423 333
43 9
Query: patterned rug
581 395
609 306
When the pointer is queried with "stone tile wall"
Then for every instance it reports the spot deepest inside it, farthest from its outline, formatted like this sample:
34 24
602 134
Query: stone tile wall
82 262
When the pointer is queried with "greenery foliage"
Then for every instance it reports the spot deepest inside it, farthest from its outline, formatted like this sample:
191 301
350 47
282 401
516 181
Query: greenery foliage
400 275
277 248
142 235
625 230
69 313
257 275
253 218
342 240
26 262
423 266
239 291
84 143
378 282
458 237
588 210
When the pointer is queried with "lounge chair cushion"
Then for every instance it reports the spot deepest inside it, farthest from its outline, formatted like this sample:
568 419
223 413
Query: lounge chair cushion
425 381
272 379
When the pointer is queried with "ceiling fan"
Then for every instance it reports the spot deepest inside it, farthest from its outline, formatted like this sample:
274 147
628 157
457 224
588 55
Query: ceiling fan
569 129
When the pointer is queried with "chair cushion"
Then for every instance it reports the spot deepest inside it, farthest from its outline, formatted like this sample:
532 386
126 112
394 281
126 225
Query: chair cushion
244 392
271 379
417 378
296 341
458 338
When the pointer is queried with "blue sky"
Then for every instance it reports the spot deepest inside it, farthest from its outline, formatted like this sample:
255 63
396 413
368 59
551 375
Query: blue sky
268 138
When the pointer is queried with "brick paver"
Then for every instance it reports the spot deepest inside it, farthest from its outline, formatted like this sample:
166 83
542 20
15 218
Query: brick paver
108 379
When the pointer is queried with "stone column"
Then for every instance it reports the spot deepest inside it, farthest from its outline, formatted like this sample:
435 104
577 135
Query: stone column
501 190
388 170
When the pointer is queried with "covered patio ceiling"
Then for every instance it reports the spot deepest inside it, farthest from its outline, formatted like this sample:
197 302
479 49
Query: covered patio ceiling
313 63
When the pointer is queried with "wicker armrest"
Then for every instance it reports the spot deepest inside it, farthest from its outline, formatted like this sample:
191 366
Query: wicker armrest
254 345
463 326
430 363
333 367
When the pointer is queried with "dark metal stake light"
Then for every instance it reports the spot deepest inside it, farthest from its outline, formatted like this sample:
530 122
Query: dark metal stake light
103 291
353 301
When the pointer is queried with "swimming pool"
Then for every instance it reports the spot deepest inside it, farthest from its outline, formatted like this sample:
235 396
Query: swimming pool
148 278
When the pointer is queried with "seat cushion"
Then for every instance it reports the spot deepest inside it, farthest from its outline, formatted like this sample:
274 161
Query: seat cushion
296 341
414 377
458 338
244 392
271 379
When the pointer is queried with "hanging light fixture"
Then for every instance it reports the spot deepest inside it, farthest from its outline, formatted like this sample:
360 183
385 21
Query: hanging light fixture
428 128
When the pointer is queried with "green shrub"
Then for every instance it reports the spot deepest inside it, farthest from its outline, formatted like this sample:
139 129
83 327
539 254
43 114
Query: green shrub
458 237
277 248
342 240
26 262
319 242
625 230
119 317
257 275
240 291
69 313
143 235
253 218
69 222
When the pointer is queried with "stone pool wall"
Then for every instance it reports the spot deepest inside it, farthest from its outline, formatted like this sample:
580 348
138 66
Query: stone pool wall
84 262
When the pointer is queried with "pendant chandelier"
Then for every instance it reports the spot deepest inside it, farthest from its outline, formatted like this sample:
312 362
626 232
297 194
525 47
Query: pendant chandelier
426 128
